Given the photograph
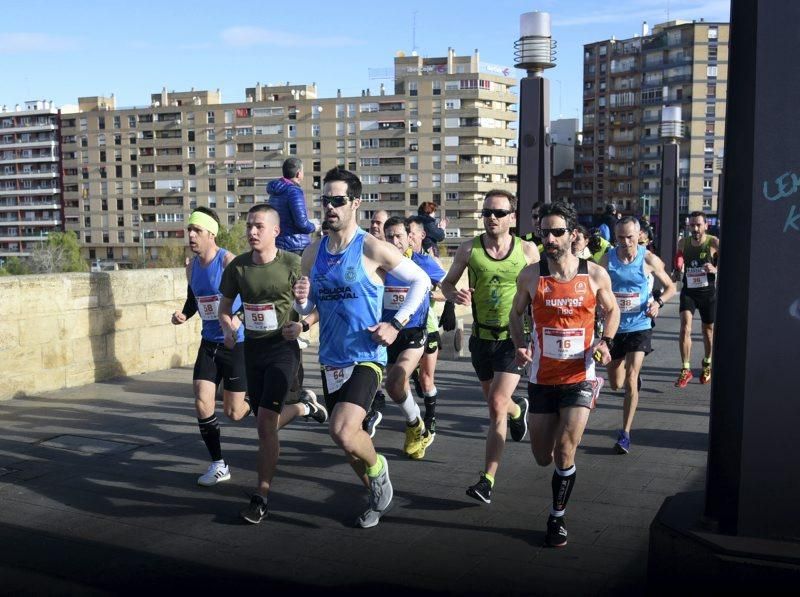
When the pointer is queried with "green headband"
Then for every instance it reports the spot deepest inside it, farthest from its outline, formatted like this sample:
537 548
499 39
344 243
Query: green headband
198 218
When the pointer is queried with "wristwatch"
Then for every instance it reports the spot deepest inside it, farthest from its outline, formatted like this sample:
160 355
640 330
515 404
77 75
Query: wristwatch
659 301
304 325
396 323
609 342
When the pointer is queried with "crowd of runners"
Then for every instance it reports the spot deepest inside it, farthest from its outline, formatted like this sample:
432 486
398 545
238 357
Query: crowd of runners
558 307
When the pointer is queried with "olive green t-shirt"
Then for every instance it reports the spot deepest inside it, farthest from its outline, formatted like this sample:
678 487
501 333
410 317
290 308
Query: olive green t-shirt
266 291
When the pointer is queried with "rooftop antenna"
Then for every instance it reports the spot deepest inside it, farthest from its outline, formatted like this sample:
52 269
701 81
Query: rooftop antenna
667 11
414 32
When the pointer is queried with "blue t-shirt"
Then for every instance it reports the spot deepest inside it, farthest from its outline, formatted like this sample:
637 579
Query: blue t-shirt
204 282
631 287
395 291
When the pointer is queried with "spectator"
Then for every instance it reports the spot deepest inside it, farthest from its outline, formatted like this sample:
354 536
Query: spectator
434 233
376 225
608 222
286 196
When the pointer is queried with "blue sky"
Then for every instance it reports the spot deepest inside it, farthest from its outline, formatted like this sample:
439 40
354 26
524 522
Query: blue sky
58 51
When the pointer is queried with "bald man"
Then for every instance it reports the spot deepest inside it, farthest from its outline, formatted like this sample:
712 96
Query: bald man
376 225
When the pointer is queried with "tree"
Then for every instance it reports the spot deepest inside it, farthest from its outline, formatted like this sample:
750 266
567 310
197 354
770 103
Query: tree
14 266
172 254
61 253
234 239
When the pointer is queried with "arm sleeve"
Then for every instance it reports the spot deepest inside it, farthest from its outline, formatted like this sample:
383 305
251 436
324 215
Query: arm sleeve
419 284
190 306
297 207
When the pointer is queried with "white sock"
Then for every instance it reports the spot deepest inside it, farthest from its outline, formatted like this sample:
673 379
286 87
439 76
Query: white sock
410 408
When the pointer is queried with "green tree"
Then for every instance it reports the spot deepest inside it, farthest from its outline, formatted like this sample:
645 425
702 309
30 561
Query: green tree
234 238
61 253
14 266
172 254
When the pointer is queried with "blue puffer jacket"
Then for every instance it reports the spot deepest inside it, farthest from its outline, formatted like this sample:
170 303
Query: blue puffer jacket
288 199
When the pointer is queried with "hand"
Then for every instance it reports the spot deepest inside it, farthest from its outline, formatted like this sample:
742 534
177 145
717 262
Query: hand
301 289
710 269
291 330
178 318
448 319
523 356
653 310
443 223
230 338
383 333
601 354
463 297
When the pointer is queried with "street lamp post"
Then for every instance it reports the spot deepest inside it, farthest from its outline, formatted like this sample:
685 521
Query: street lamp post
668 221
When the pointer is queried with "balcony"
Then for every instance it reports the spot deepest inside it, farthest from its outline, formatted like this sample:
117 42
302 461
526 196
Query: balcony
45 191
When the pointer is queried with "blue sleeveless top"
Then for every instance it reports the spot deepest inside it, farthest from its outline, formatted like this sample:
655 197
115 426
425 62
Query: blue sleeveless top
631 289
395 291
348 302
205 286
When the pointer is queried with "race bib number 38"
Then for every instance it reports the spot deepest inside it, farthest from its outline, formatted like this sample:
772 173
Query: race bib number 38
208 307
394 297
335 377
696 277
260 318
628 301
563 344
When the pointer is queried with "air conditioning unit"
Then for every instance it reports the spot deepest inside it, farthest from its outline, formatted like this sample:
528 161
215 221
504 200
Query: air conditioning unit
413 147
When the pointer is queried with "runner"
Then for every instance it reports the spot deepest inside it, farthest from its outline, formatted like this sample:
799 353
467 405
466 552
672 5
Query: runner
632 269
214 363
493 260
346 270
564 292
405 353
697 258
263 277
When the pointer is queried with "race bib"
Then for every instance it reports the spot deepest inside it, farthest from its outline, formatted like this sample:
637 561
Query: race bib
260 318
696 277
628 301
563 344
394 297
335 377
208 307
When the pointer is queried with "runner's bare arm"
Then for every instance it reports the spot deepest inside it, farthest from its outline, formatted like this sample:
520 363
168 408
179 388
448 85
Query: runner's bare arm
528 280
601 282
227 321
531 252
302 287
460 262
660 274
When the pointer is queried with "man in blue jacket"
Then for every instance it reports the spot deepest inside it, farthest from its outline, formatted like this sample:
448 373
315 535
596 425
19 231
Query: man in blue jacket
286 196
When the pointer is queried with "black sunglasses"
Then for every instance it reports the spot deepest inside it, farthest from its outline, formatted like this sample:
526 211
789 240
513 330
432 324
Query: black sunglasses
557 232
335 200
497 213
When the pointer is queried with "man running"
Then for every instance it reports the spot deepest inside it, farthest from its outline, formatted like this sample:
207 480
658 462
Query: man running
263 277
346 270
632 268
564 292
406 351
697 258
493 260
215 362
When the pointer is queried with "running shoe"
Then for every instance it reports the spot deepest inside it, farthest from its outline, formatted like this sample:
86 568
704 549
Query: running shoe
705 376
684 378
217 473
430 425
427 440
556 535
315 410
519 427
597 385
256 511
482 490
380 497
371 421
623 445
415 437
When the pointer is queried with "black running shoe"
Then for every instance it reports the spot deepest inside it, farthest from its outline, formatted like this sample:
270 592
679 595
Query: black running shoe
371 421
256 511
556 531
481 491
519 427
430 425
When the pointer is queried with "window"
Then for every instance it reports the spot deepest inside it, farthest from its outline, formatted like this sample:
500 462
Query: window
712 33
315 130
351 110
351 128
436 180
413 87
711 71
450 141
228 116
212 151
707 184
340 130
211 117
339 110
452 104
117 122
436 87
316 111
709 147
437 125
451 178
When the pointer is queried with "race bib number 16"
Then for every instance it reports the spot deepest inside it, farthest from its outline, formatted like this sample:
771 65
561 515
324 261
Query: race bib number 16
563 344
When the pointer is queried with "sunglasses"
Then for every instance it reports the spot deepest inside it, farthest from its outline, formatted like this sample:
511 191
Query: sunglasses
557 232
497 213
335 200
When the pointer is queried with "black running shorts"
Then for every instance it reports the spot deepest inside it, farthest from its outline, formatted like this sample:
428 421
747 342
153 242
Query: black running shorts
546 400
216 363
492 356
705 302
407 339
360 387
625 342
433 343
272 365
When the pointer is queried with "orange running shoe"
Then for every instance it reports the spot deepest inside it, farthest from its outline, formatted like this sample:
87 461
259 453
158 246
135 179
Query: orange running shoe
683 378
705 376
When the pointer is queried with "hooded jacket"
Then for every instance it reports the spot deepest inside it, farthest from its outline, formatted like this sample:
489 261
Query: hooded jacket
288 199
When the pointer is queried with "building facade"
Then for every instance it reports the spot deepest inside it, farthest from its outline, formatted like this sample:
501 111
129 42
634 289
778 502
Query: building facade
627 83
30 180
132 175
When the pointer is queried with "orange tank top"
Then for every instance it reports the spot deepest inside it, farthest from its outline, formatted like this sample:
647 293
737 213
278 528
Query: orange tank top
563 328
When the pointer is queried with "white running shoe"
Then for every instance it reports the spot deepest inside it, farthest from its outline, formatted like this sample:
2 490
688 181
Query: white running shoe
217 473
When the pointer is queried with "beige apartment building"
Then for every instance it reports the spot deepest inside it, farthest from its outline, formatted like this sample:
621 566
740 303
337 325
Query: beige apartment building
30 188
132 175
627 83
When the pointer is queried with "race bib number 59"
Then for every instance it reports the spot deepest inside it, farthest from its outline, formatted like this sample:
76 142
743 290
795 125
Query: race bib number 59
260 318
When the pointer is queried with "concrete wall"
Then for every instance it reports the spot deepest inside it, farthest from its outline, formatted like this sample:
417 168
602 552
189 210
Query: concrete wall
64 330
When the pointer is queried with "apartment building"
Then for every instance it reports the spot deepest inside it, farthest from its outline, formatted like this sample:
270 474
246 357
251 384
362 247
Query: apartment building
30 187
627 83
132 175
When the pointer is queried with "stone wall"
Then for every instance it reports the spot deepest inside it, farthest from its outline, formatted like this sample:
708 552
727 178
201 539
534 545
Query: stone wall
65 330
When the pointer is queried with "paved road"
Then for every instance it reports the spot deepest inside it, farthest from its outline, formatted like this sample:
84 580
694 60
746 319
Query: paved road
98 493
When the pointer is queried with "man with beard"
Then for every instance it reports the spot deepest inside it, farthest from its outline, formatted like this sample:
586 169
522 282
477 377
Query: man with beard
697 258
563 292
215 362
493 260
346 270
